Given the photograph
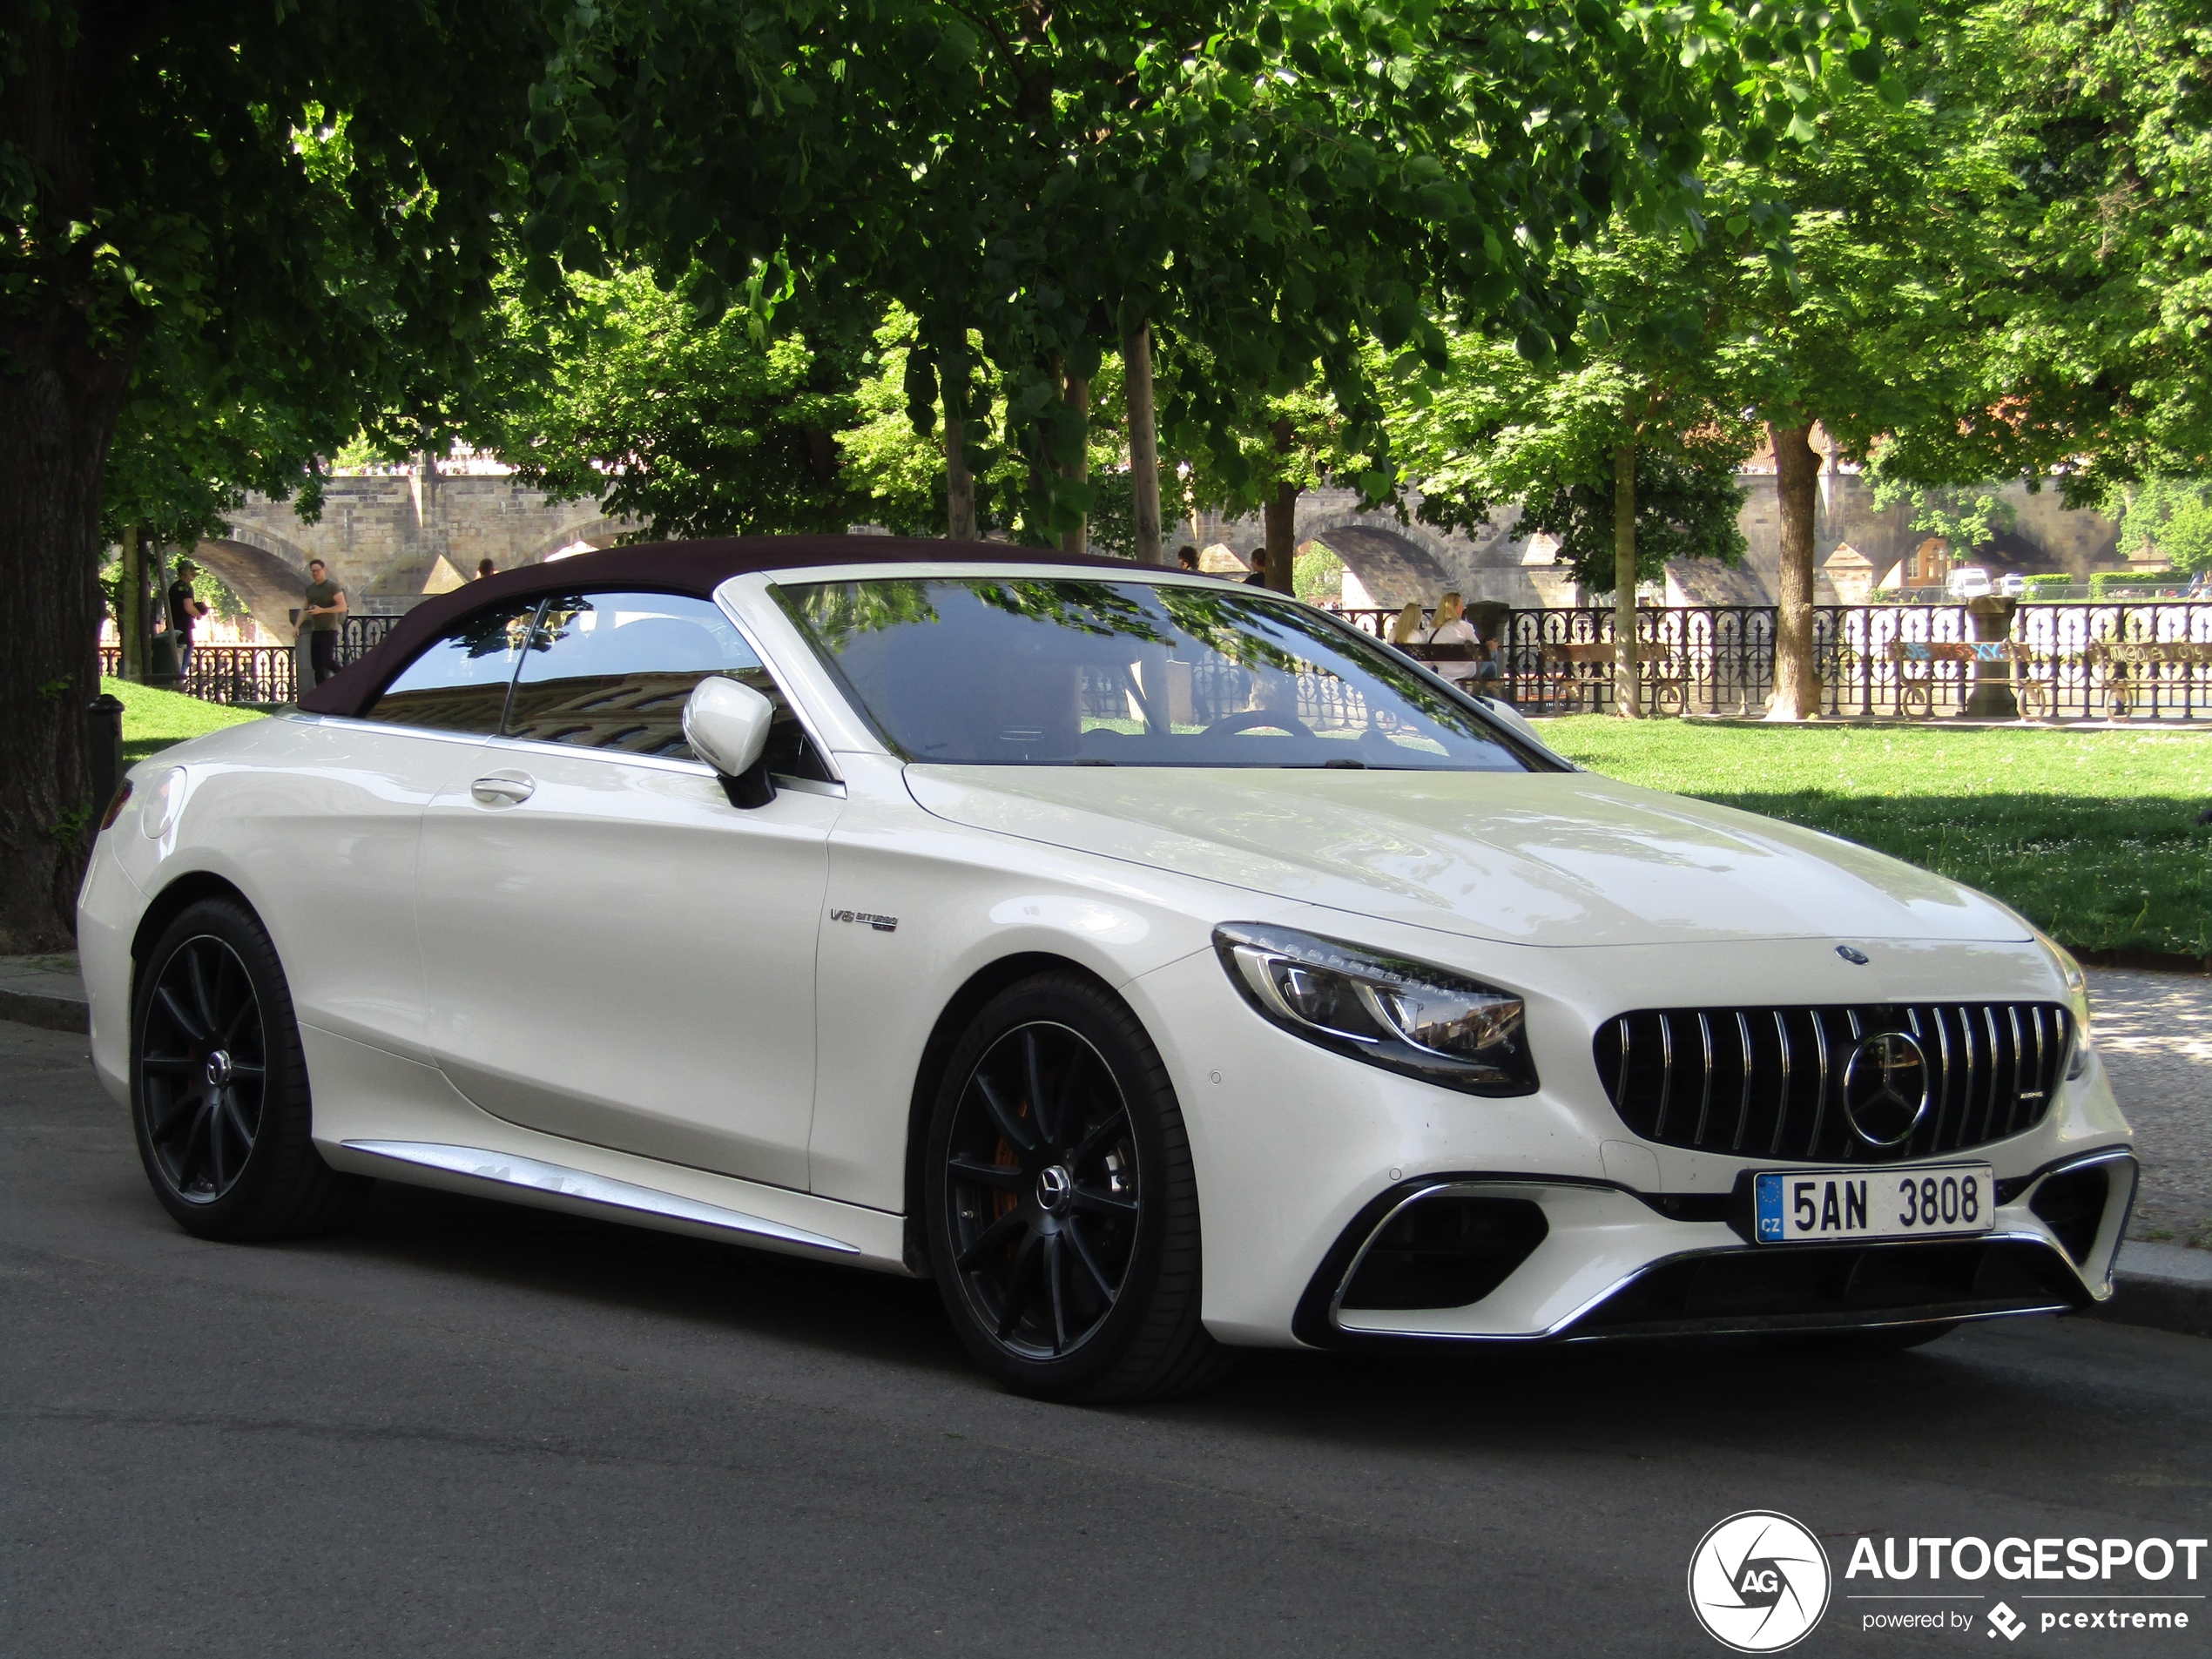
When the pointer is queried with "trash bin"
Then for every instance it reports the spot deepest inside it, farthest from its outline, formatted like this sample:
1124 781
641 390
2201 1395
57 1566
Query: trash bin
162 667
104 715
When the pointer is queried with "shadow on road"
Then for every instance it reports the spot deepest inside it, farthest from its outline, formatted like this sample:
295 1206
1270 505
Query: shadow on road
1494 1402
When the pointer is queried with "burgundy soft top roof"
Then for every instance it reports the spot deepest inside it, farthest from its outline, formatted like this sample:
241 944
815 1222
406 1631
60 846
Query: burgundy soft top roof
696 568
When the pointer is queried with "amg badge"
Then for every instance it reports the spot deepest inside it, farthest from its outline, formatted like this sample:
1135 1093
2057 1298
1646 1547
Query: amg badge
882 924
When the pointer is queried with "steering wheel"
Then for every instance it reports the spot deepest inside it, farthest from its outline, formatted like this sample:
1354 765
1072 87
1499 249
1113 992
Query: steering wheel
1251 719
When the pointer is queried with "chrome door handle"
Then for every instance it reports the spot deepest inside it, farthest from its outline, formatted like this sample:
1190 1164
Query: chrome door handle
495 789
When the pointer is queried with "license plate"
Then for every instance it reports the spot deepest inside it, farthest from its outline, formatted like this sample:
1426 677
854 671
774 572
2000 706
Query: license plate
1798 1206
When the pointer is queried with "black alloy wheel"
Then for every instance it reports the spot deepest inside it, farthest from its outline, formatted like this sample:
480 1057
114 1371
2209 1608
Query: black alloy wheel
1063 1209
1044 1178
219 1084
203 1070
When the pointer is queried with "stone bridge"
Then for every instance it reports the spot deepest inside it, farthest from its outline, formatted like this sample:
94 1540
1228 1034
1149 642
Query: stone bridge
1856 543
393 539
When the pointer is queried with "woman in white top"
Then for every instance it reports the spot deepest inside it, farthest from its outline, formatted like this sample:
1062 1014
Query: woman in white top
1450 627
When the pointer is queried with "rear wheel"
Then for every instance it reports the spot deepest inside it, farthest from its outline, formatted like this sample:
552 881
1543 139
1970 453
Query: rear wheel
219 1084
1061 1208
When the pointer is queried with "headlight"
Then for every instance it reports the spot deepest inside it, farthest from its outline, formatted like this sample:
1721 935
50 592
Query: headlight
1406 1016
162 800
2077 994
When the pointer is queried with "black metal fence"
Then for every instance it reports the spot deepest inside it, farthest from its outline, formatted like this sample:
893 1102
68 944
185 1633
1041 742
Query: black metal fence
2151 661
263 675
2141 660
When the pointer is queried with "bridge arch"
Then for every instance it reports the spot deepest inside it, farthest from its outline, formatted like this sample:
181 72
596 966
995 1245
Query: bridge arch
269 584
593 526
1394 568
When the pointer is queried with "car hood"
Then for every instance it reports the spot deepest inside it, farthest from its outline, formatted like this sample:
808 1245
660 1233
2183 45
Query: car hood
1555 858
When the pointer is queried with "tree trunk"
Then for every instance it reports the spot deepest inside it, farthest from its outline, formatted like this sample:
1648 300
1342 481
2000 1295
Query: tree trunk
130 623
1076 395
1281 512
56 423
960 483
1797 475
1144 447
59 397
1627 689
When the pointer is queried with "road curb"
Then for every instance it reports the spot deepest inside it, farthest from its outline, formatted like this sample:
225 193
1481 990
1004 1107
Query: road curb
2160 1287
54 1012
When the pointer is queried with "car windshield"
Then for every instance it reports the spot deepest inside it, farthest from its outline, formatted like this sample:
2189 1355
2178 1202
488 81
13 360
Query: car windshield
1063 671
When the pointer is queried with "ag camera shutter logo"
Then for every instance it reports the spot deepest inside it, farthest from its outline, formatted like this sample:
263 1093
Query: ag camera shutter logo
1758 1581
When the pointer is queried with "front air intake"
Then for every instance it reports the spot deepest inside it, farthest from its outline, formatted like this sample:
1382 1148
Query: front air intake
1444 1251
2072 1204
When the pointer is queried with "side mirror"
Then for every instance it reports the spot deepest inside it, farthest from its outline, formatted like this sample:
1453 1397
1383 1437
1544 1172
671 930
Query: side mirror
727 724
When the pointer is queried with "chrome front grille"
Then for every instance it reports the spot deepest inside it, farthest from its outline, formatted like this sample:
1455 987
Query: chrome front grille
1769 1082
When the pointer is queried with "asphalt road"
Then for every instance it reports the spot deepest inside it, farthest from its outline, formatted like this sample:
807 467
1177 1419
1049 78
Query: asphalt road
471 1429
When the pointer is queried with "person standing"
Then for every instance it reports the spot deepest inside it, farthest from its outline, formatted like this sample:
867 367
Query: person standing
186 608
1259 577
1187 557
484 568
1449 626
326 603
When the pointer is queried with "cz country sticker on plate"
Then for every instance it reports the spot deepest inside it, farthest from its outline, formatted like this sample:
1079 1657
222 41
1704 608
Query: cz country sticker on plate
1800 1206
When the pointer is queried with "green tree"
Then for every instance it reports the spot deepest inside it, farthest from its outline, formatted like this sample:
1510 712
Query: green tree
691 424
1277 184
1967 517
2169 517
216 207
2092 275
1624 446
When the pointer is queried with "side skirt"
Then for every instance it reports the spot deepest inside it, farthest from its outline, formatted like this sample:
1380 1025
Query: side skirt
555 1186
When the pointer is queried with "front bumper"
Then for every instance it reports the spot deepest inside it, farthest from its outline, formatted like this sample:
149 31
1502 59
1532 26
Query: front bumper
1580 1262
1304 1157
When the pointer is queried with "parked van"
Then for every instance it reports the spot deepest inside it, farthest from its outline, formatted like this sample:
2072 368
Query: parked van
1968 582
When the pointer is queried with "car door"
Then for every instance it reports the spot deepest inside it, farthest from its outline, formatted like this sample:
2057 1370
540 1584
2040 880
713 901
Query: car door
331 838
615 954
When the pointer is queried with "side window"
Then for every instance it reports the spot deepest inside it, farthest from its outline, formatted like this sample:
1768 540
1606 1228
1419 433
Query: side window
460 681
613 671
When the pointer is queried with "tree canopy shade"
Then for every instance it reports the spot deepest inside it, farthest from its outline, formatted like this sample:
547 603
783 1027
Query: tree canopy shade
693 425
227 232
1624 446
1275 183
2092 275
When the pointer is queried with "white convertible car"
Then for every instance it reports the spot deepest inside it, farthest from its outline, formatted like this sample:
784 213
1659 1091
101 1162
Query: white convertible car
1159 964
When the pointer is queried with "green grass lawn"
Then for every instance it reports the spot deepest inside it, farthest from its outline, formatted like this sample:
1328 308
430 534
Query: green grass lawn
154 719
2093 835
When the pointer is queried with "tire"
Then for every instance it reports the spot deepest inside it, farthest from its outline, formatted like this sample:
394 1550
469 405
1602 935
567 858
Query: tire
219 1084
1068 1260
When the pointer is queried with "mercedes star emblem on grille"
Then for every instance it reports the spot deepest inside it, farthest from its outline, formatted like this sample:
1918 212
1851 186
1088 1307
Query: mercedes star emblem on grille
1886 1088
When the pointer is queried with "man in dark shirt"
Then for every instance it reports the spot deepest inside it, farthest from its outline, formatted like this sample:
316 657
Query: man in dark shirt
184 609
326 603
1259 577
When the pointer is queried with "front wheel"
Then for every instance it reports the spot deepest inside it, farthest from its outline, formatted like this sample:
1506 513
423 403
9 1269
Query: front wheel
219 1084
1062 1209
